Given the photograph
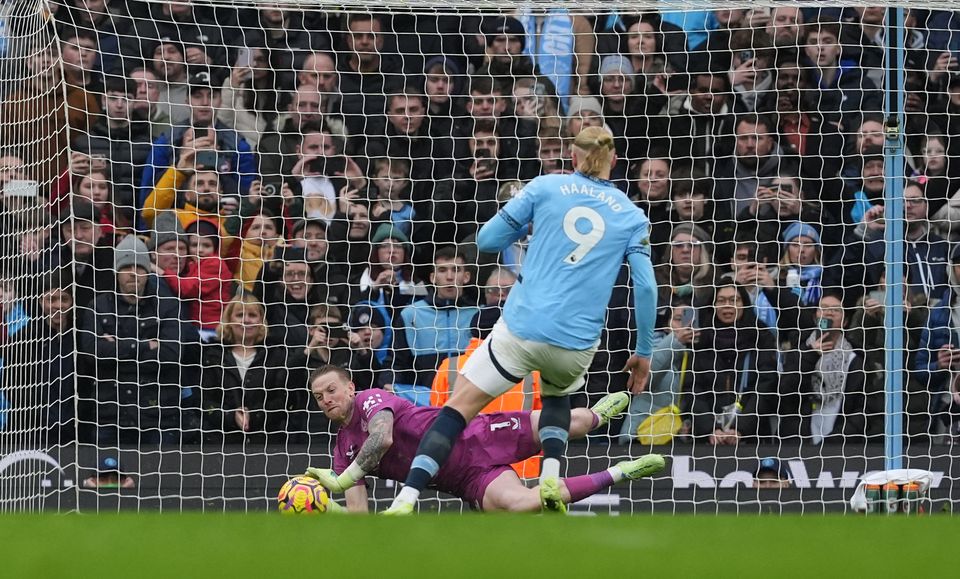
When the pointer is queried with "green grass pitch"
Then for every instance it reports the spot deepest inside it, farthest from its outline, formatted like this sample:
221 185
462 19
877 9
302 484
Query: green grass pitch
134 546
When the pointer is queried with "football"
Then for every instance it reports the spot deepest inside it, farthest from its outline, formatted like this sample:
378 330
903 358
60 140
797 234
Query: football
302 495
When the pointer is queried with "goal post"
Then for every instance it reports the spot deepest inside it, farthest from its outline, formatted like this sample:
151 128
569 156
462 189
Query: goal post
203 202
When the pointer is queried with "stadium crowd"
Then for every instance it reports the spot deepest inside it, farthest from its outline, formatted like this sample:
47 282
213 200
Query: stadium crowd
232 197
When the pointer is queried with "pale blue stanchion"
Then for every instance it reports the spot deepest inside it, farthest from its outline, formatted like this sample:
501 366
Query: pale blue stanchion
895 245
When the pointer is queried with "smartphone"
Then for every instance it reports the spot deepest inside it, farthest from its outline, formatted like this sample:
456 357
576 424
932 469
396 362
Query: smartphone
878 295
329 166
482 153
689 317
207 159
823 325
243 58
337 332
746 55
21 188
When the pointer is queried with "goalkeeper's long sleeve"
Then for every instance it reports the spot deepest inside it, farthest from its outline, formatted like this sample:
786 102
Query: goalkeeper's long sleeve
644 300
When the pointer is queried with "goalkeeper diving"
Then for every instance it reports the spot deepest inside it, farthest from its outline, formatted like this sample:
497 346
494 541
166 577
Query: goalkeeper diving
583 227
379 433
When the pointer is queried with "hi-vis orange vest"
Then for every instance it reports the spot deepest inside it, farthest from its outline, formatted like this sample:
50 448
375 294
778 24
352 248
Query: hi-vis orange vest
524 396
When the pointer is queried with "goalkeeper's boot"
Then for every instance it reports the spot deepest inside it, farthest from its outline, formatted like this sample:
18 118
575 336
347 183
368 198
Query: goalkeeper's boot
399 509
610 406
551 500
644 466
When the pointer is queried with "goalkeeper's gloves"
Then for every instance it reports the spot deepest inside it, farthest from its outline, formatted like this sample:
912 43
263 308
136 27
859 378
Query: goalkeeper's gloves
334 482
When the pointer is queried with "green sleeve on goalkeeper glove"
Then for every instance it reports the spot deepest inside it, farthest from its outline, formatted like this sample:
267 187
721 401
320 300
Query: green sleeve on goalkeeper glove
332 481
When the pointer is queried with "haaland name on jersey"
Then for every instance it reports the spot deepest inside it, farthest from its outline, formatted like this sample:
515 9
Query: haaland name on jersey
585 189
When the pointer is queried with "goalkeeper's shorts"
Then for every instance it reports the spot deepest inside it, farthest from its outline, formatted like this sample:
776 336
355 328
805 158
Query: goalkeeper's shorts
504 359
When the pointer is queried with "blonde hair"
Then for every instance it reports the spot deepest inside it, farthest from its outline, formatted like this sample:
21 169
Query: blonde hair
595 149
227 333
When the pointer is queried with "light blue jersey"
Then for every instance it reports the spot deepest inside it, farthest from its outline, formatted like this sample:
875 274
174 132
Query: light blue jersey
582 229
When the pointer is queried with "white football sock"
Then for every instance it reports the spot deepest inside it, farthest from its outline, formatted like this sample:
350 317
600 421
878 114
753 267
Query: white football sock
551 468
408 495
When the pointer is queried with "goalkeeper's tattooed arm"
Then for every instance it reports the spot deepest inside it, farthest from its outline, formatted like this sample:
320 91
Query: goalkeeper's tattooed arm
378 442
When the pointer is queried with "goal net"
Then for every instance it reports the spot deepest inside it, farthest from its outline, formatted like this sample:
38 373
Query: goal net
204 202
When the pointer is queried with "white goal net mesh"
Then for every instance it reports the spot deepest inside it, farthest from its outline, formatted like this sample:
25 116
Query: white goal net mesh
203 202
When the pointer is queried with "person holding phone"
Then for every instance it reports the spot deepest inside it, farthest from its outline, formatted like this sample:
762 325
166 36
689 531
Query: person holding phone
370 337
829 394
734 371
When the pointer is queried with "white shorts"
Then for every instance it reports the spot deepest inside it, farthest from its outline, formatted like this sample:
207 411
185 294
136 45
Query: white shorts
503 360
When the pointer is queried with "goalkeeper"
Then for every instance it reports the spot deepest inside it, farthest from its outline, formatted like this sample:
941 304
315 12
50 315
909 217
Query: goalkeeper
379 433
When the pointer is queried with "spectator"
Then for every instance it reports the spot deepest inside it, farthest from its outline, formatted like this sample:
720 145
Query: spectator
323 178
192 190
289 301
871 193
410 138
248 394
235 157
146 105
330 278
319 74
390 183
751 62
478 181
202 280
349 236
779 203
260 239
366 73
757 156
845 91
192 24
616 84
370 337
78 49
785 25
486 104
927 256
39 367
552 152
644 48
497 286
942 182
800 268
278 150
36 117
327 340
86 252
388 279
650 190
703 124
117 137
838 400
734 374
689 203
504 57
434 327
583 112
443 84
169 66
776 306
771 475
534 107
135 347
250 96
669 371
816 142
685 266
